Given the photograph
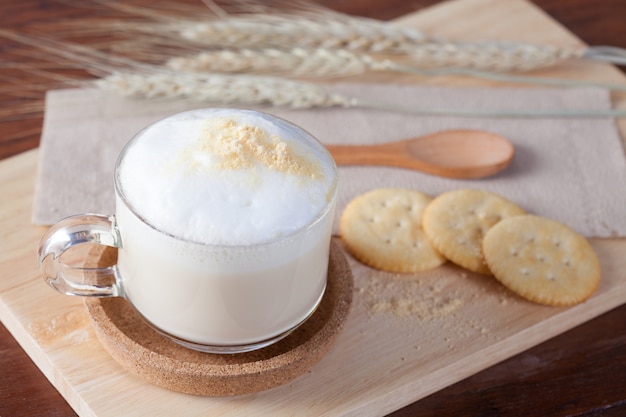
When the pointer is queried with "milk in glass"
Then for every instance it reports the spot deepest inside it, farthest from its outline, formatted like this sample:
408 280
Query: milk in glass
225 219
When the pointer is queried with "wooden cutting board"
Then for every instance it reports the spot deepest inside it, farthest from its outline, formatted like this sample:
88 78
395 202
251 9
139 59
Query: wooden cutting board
387 356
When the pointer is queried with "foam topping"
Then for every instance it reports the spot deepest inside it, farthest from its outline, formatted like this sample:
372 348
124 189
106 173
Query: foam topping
226 177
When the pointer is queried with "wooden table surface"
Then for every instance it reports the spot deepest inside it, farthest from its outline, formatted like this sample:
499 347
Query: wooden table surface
581 372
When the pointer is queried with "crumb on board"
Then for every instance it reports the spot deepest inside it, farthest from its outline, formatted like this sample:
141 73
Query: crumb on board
406 296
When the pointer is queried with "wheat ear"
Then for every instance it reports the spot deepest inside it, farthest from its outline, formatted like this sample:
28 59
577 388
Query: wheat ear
295 62
222 88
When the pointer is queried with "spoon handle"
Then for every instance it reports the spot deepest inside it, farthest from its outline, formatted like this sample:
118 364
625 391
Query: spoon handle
385 155
389 154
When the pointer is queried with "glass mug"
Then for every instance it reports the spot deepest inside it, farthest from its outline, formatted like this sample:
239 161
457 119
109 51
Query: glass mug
212 296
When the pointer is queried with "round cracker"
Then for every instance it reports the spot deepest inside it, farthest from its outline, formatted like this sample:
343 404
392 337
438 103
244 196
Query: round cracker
456 222
382 229
542 260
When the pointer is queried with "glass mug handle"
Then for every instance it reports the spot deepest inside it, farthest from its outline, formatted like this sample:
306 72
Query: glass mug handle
73 231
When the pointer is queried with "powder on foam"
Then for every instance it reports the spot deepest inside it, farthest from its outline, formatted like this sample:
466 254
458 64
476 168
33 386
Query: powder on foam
242 146
220 177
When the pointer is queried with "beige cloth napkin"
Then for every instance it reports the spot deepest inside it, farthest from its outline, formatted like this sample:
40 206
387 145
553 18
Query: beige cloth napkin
571 170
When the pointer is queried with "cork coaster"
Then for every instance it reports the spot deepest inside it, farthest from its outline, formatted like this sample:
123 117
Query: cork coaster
156 359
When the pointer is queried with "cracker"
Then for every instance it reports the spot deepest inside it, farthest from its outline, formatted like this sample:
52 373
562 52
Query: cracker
542 260
456 222
382 229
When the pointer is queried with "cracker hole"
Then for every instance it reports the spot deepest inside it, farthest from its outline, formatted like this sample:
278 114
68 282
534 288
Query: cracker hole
525 271
567 262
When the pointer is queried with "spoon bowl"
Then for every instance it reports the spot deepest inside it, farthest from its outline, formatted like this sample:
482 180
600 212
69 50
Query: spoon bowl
450 153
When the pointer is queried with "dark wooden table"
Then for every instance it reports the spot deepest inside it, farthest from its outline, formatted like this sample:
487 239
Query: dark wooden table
579 373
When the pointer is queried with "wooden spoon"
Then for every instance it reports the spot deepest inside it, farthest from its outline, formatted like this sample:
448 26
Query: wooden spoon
450 153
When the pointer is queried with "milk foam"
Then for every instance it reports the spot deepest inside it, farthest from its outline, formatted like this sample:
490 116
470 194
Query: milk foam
229 177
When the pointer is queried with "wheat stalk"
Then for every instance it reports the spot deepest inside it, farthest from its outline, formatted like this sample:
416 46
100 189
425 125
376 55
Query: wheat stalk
148 81
250 21
360 36
356 35
256 25
305 63
323 30
257 90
